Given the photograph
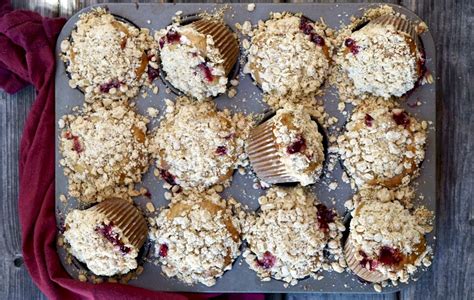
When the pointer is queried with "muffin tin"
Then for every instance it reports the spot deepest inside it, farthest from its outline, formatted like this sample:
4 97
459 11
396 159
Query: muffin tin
249 100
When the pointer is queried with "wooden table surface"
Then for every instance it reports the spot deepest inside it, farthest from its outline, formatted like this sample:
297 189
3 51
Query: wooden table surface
450 277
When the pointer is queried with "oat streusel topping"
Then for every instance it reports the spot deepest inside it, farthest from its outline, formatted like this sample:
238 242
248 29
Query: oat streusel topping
380 61
105 151
389 238
106 56
287 237
289 55
198 236
382 144
95 241
197 146
300 143
191 61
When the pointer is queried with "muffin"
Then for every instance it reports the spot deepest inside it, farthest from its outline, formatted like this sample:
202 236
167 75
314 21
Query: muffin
197 146
387 240
104 151
198 236
289 55
105 56
382 144
287 148
106 237
287 237
383 58
197 58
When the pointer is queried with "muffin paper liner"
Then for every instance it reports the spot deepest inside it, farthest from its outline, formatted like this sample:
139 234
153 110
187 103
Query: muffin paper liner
355 266
262 150
399 24
224 40
126 217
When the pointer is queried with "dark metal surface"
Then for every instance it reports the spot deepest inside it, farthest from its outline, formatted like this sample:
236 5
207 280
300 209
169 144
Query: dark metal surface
241 278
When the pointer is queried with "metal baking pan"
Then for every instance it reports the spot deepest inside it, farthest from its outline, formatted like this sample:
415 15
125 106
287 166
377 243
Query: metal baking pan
249 100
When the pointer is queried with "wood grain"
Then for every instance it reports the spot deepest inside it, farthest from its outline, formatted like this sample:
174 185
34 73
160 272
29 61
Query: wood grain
451 276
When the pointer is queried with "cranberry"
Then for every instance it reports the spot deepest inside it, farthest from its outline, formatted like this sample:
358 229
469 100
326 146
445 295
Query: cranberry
267 261
171 37
365 260
167 176
317 39
152 73
68 135
305 25
162 42
351 44
297 146
401 118
221 150
105 87
163 250
77 145
107 232
389 256
207 71
325 216
148 194
368 120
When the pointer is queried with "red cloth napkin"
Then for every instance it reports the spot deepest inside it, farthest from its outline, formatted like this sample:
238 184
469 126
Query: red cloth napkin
27 43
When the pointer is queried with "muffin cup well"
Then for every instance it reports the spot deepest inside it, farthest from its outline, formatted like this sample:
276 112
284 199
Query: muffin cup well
357 268
224 40
126 217
263 154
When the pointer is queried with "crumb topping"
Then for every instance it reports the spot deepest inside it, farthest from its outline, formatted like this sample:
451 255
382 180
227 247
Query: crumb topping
95 241
104 151
380 61
191 61
382 144
106 56
197 146
299 143
287 237
389 238
288 55
197 237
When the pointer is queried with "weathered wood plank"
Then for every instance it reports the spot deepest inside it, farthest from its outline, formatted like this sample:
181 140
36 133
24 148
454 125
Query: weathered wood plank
451 276
15 283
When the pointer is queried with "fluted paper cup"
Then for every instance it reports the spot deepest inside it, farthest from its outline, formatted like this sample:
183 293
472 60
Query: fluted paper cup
224 40
126 217
262 150
357 268
401 25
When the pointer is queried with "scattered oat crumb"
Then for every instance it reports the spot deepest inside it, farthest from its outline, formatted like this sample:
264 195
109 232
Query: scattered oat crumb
377 288
82 278
251 7
332 186
62 198
150 207
152 112
231 93
61 124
